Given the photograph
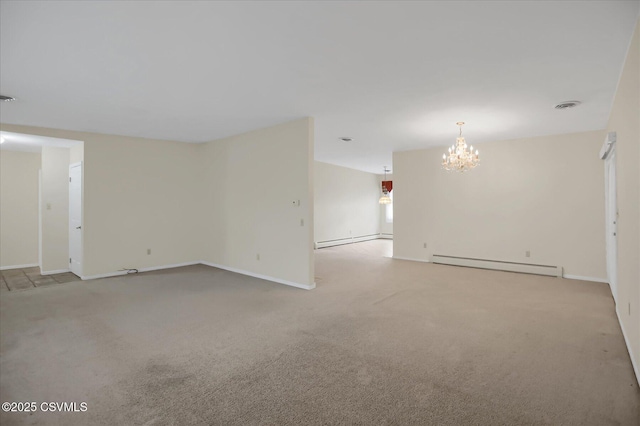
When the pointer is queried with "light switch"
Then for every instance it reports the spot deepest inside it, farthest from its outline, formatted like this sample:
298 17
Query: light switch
48 206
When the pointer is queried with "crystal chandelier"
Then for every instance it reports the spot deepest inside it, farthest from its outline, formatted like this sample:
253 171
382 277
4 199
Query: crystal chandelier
385 199
460 158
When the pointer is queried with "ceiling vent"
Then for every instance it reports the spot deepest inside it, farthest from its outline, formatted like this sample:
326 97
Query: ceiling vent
567 104
346 139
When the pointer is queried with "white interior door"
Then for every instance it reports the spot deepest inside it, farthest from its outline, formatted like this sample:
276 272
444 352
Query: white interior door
611 216
75 218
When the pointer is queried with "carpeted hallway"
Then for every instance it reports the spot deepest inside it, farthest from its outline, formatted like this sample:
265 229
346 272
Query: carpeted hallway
379 341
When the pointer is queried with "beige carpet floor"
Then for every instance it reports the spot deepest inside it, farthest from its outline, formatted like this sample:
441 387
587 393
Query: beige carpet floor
379 341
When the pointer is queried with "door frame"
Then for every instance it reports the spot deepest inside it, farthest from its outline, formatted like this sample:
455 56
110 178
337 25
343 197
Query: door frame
40 219
608 154
81 248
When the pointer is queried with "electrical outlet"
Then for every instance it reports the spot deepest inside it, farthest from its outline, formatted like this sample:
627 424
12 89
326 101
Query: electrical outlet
527 253
258 256
424 245
301 222
48 206
148 251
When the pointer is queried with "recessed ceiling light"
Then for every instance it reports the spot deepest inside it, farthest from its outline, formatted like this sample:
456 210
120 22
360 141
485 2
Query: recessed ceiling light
346 139
567 104
6 98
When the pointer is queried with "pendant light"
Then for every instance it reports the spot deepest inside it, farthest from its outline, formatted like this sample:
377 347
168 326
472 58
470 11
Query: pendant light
385 199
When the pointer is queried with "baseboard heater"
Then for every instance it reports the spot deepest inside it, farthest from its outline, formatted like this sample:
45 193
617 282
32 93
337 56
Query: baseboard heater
349 240
525 268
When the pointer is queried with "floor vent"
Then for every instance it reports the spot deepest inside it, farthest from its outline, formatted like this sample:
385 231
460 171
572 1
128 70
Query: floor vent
525 268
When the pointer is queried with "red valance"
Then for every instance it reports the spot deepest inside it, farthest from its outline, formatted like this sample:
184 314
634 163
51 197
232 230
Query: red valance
388 185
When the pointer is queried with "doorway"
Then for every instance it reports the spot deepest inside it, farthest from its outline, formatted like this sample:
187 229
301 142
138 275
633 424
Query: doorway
75 218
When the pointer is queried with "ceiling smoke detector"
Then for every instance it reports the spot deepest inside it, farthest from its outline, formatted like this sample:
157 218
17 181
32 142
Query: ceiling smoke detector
346 139
567 104
6 98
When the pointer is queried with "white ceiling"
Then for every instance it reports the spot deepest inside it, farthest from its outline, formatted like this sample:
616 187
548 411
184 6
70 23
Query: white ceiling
392 75
32 143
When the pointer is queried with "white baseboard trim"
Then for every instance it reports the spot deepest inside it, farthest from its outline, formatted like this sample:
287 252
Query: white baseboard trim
106 275
386 236
213 265
579 277
498 265
56 271
410 259
631 355
262 277
149 269
175 265
26 265
342 241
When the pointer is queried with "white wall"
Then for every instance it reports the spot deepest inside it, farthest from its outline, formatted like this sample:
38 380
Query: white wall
385 227
139 194
250 183
18 208
55 209
346 203
625 121
544 194
76 153
166 196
